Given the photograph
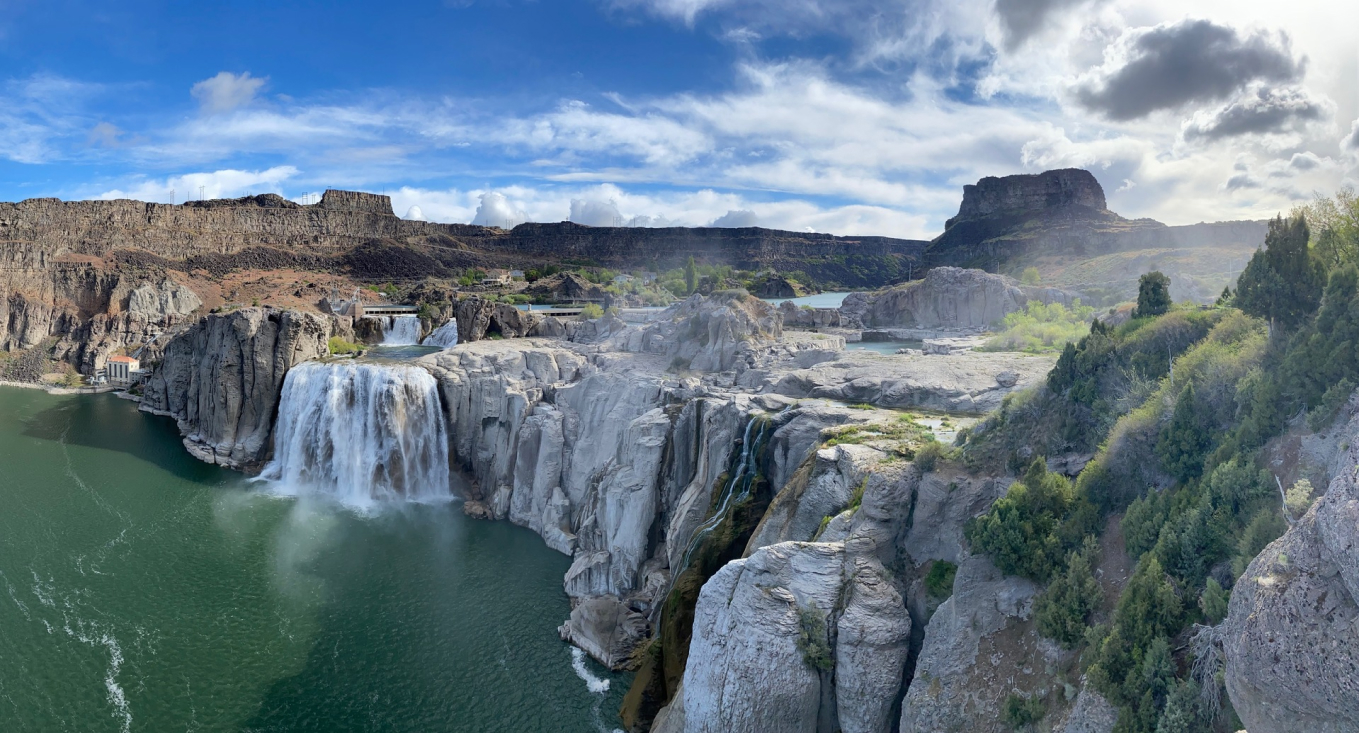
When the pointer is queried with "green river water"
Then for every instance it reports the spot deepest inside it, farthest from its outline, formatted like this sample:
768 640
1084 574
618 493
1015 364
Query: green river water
141 590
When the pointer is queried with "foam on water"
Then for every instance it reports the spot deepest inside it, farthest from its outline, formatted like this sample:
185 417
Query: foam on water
445 336
594 684
360 434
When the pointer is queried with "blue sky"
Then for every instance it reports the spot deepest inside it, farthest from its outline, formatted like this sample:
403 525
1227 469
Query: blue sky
845 116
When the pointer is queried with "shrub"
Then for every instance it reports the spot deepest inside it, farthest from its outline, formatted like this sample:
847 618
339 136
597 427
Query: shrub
1041 327
939 581
1063 608
1298 498
1030 276
927 456
1020 532
811 640
590 312
1021 712
340 346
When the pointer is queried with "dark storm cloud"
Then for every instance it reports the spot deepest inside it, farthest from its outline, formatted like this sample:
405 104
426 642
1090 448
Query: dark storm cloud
1264 111
1241 180
1168 66
1021 19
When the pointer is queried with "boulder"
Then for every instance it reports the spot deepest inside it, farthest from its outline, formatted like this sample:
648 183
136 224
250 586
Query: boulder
1292 663
947 297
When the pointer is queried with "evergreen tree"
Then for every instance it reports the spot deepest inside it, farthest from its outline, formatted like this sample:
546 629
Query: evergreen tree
1153 295
1213 602
1062 610
1181 714
691 275
1185 440
1282 282
1022 530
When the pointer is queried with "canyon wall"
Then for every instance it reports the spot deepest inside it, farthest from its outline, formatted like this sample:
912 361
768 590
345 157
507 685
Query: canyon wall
221 379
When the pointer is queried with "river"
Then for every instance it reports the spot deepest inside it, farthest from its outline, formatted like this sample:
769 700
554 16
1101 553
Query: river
141 590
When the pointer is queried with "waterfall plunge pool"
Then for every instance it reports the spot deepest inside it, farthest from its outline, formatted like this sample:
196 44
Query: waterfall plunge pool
142 590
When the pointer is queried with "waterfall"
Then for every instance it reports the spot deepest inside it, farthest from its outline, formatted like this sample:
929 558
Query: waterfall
444 336
360 433
737 488
400 330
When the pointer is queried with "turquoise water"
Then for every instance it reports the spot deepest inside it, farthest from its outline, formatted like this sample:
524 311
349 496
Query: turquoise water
820 300
141 590
883 347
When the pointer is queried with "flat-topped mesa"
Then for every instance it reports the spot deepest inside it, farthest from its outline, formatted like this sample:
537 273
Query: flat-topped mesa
1031 194
372 203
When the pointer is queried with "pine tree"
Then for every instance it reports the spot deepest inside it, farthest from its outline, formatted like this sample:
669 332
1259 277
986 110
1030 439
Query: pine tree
1153 295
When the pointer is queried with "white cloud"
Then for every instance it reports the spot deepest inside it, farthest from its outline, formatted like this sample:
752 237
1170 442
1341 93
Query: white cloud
214 185
414 213
497 211
736 219
595 213
227 91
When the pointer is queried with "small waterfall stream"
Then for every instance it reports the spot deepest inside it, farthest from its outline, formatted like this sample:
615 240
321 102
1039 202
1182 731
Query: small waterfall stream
400 330
737 488
444 336
360 433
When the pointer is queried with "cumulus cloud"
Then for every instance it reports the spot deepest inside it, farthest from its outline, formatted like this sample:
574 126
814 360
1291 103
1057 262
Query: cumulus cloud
736 219
1351 141
1020 20
496 211
216 184
227 91
595 213
414 213
1260 111
1174 64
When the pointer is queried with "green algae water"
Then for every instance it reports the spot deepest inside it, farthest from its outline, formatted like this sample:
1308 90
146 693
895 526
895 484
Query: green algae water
141 590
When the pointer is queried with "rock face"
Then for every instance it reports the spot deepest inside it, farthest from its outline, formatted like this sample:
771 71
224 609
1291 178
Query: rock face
1032 194
947 297
746 671
163 299
949 693
809 318
970 382
222 378
479 318
564 287
1289 637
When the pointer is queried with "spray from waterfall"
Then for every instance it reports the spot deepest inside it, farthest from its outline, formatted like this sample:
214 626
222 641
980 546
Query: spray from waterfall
445 336
400 330
360 434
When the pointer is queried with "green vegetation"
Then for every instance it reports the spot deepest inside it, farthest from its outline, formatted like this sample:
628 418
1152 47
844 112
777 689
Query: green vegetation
1030 276
1153 295
340 346
590 312
939 580
927 456
1041 328
812 640
1063 609
1178 404
690 276
1022 712
1023 531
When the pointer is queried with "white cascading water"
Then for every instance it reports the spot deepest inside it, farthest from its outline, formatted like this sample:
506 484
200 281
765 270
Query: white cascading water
400 330
445 336
360 434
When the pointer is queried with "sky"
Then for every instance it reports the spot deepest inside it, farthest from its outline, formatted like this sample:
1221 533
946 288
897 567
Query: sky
852 117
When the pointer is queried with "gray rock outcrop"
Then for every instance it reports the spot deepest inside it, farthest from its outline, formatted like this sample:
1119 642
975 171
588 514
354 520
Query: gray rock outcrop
1292 663
947 297
222 378
1030 194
